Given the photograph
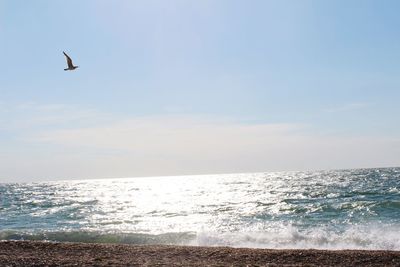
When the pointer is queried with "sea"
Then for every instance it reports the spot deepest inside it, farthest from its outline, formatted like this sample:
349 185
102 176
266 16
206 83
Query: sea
335 209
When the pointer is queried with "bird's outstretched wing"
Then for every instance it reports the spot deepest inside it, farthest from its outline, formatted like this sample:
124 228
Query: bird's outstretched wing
69 60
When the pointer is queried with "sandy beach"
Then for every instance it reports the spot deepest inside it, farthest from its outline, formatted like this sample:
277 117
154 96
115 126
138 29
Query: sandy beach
32 253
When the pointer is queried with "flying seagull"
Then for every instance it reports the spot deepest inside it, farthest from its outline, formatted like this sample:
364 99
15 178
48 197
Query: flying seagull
69 62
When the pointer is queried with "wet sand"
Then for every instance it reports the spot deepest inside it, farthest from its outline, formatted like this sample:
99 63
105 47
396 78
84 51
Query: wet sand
32 253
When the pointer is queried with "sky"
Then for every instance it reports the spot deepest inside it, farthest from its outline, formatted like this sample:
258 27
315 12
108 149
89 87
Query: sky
197 87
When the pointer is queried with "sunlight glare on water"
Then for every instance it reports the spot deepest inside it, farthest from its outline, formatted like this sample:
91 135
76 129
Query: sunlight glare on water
285 209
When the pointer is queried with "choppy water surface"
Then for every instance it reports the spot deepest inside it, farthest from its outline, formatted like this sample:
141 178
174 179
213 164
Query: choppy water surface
328 209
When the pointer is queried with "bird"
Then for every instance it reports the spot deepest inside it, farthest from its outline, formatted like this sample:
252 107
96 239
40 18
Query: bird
69 62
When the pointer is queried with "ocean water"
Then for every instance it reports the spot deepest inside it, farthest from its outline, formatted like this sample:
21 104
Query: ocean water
344 209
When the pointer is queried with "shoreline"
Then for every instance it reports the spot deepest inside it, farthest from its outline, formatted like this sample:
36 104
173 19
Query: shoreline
41 253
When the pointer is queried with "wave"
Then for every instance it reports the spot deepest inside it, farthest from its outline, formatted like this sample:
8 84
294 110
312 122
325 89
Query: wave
376 237
97 237
371 237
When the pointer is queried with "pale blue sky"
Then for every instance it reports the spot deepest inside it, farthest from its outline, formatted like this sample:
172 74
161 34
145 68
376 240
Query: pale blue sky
256 85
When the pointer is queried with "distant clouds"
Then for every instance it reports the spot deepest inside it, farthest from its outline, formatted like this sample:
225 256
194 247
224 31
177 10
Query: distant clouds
196 145
32 116
97 145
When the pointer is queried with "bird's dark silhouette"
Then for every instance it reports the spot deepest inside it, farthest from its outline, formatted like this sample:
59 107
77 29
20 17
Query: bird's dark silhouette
69 63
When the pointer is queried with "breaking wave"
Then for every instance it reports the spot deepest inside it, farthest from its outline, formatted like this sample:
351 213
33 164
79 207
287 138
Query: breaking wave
355 237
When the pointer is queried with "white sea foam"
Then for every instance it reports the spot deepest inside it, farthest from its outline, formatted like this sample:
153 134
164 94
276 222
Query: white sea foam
374 237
